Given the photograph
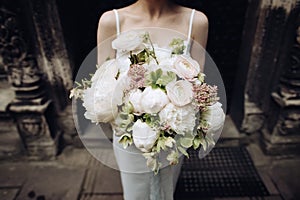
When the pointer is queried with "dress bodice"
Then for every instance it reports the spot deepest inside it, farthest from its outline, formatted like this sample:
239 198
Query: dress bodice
187 41
126 157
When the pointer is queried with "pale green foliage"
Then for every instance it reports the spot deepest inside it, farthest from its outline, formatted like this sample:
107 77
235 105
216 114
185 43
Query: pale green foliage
183 151
125 118
186 142
126 140
177 45
156 79
201 77
173 157
77 91
151 119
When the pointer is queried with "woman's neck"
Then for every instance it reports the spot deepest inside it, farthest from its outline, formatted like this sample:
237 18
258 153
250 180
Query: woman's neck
154 8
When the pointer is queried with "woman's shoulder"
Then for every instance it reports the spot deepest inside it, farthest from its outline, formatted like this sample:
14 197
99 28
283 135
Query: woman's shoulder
107 19
200 28
199 17
199 24
106 25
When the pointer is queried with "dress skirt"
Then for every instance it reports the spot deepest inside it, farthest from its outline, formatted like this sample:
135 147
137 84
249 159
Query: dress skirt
138 181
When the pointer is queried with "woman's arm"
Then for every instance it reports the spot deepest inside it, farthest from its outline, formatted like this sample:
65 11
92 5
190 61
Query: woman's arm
199 34
106 29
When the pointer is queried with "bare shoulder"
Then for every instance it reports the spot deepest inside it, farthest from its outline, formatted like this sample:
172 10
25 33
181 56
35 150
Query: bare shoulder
200 28
200 20
107 20
106 25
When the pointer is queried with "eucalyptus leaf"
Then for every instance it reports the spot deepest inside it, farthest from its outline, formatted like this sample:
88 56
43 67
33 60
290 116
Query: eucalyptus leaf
204 144
126 140
196 142
183 151
186 142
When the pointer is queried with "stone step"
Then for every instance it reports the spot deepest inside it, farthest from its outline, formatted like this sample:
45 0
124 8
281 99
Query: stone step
7 94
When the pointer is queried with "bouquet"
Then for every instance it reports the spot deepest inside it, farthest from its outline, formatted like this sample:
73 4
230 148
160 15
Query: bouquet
155 99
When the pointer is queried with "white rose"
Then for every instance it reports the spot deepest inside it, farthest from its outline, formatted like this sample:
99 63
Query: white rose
180 119
186 67
153 100
215 118
128 41
135 99
143 135
180 92
98 99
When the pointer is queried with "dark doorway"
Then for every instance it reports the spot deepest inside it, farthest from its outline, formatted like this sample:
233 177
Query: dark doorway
226 19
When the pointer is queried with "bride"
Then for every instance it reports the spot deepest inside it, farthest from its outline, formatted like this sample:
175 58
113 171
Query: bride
193 25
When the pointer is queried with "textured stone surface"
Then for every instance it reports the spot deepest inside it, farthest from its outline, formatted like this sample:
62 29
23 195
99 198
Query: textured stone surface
10 141
101 179
53 182
8 193
102 197
286 174
6 95
14 174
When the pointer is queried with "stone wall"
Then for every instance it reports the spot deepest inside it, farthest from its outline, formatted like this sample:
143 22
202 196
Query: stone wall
269 73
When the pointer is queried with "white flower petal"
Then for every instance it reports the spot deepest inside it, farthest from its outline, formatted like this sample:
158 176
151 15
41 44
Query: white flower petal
143 135
153 100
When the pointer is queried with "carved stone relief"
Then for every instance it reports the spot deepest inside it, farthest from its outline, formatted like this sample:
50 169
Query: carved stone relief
30 105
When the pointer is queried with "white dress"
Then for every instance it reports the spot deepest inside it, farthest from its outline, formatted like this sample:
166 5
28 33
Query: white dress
138 181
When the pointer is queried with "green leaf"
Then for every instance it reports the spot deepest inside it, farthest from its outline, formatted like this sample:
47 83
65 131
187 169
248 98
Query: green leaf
161 144
196 143
165 79
183 151
126 140
186 142
77 83
153 77
173 158
204 143
201 77
177 45
210 140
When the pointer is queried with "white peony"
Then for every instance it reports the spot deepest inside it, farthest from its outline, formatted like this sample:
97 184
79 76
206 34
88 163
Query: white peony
108 68
180 119
180 92
153 100
98 100
186 67
135 99
121 86
215 118
216 121
143 135
163 54
128 41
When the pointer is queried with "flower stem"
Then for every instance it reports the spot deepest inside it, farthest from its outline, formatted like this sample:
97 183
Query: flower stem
153 52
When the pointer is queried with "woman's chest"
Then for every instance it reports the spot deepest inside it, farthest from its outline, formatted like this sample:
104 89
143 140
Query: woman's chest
177 24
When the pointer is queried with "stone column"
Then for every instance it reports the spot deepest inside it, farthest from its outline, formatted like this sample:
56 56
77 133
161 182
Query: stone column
264 39
31 108
53 60
282 133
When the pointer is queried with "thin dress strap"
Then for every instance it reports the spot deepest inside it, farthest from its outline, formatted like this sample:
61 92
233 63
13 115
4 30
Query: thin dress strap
188 42
117 21
191 24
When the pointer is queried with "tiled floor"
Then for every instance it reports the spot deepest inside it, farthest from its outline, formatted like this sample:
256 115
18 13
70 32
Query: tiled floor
77 175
